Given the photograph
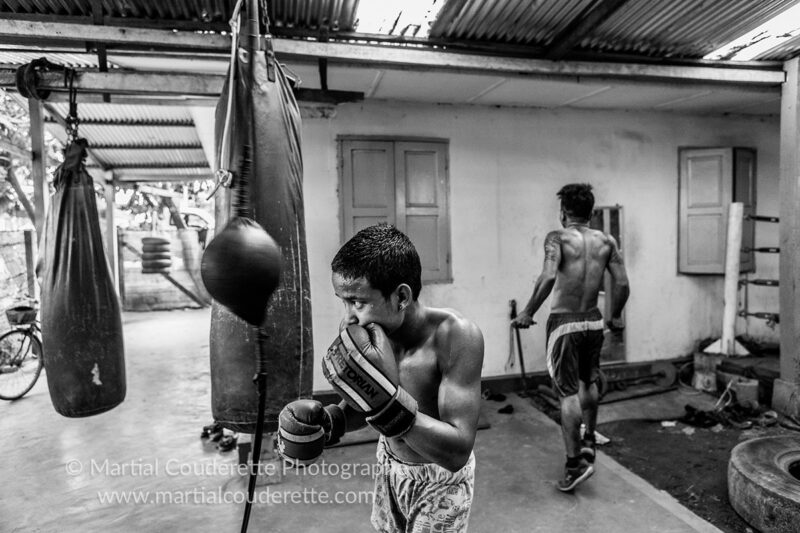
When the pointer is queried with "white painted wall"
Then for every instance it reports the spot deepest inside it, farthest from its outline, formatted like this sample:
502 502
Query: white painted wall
506 165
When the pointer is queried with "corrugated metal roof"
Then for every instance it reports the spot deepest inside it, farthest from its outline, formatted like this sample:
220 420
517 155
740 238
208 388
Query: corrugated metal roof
657 29
782 52
333 15
687 28
197 10
653 28
132 141
171 157
507 21
138 135
13 58
126 113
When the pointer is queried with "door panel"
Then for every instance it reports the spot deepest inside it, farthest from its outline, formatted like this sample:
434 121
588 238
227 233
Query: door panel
706 190
368 185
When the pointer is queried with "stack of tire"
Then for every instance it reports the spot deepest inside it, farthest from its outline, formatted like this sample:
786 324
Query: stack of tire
156 257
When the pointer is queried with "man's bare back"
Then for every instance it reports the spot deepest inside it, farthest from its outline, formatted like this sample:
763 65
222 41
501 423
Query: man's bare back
585 254
575 259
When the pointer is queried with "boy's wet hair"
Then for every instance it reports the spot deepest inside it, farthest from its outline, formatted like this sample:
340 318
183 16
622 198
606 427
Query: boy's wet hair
577 200
384 256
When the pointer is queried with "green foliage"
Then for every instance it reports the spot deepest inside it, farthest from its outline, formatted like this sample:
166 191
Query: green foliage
15 131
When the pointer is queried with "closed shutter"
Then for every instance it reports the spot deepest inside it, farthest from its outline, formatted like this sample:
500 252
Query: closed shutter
421 170
706 190
403 183
368 185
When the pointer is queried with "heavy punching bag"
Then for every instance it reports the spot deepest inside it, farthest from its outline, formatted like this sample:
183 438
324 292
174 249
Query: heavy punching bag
263 115
81 323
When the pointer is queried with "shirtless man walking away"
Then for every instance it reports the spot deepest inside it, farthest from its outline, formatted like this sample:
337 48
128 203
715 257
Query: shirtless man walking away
575 259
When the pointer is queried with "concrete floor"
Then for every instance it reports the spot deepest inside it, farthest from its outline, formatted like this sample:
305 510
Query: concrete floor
56 471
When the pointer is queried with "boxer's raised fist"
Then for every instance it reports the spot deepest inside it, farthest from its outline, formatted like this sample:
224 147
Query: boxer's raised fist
361 367
305 427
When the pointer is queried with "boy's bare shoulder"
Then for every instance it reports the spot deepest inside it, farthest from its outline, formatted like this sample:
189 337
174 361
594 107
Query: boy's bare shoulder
451 320
457 333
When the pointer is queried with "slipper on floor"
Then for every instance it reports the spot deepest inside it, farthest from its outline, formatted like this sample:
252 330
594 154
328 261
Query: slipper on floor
210 430
227 443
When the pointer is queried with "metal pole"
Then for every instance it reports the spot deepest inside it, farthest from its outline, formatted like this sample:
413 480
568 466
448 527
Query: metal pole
513 304
732 258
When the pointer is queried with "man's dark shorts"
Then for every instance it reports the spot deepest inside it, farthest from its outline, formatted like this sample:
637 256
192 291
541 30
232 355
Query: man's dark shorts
574 341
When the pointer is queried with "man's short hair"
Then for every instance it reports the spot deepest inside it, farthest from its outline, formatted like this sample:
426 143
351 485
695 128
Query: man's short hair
384 256
577 200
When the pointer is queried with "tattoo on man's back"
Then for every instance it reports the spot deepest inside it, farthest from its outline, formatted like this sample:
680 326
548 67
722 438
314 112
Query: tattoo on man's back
615 256
552 245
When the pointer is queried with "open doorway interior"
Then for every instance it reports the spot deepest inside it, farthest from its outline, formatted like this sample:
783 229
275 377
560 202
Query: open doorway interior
608 219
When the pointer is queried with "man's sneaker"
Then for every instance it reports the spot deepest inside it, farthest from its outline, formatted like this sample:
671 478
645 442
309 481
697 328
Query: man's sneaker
588 447
574 476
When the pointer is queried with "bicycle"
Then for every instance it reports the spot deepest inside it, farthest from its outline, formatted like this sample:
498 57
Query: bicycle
21 360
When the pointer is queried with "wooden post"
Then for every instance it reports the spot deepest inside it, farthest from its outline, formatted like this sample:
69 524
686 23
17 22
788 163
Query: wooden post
111 232
121 266
38 165
790 225
732 258
11 177
30 265
786 389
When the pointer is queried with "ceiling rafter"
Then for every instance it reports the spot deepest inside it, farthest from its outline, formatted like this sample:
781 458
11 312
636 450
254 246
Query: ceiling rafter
143 147
135 122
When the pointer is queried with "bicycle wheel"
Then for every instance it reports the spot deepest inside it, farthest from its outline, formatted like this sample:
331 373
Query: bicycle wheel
20 363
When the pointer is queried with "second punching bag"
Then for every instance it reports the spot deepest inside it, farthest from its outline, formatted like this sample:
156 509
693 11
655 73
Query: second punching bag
276 200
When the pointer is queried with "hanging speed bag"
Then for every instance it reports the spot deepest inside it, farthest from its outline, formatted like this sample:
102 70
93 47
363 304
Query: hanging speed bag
81 323
276 202
241 268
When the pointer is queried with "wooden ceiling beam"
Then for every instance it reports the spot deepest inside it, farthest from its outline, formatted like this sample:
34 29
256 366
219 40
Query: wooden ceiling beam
70 32
136 99
134 122
123 177
133 167
399 58
159 83
102 57
144 147
128 22
389 57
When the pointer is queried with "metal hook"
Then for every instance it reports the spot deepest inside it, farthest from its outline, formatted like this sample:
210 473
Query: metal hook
223 178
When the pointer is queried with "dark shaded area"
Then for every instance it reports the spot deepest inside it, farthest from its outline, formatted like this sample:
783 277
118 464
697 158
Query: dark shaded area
690 463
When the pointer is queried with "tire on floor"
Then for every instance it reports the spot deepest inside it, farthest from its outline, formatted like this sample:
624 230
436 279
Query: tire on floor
762 483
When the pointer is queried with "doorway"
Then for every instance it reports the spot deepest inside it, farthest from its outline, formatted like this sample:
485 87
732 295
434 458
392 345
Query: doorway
608 219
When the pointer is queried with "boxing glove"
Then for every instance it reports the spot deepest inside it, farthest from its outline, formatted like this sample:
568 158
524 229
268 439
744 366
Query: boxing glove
305 427
361 367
